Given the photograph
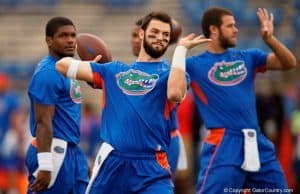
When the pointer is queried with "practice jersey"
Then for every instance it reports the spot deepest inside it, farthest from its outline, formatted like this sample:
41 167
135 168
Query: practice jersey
224 87
48 87
136 110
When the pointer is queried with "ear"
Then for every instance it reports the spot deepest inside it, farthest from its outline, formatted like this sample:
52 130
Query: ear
213 30
141 33
49 40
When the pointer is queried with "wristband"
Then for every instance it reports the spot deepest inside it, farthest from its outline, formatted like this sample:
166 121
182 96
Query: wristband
45 161
72 71
179 57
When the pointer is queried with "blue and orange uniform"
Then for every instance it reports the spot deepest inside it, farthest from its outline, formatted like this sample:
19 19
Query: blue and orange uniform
224 88
135 123
48 87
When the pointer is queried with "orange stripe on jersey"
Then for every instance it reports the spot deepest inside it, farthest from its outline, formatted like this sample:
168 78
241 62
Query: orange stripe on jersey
162 160
168 108
34 143
259 70
99 83
97 80
174 133
215 136
198 91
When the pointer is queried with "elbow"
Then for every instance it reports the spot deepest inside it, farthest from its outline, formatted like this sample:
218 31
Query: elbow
291 65
294 62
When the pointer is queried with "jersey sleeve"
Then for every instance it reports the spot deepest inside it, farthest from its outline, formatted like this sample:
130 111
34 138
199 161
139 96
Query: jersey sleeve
45 87
99 73
189 62
259 59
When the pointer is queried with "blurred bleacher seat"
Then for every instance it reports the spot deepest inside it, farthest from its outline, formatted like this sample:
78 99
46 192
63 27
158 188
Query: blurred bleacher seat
124 3
27 6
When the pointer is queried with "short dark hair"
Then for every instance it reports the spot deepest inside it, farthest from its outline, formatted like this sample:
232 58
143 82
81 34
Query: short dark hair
213 16
139 22
159 15
54 23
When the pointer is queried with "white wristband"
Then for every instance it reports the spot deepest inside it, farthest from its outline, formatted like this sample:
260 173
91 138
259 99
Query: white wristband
72 71
179 57
45 161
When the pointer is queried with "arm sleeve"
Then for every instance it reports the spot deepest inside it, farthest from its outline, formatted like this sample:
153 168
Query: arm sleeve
259 59
99 73
46 86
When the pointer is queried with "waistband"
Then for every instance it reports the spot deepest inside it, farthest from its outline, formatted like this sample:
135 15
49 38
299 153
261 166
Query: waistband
231 131
139 156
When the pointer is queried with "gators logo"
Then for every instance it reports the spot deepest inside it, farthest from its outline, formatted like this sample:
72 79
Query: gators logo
227 73
75 91
134 82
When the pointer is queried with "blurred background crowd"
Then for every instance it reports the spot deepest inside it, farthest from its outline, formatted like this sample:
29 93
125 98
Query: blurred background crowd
22 45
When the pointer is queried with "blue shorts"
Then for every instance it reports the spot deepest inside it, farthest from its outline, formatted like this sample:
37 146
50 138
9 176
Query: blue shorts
221 160
73 175
173 152
123 173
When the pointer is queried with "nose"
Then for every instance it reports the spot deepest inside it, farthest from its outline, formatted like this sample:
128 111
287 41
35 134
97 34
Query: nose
160 36
71 39
236 29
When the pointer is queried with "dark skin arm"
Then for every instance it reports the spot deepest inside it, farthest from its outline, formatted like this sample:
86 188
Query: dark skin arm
43 116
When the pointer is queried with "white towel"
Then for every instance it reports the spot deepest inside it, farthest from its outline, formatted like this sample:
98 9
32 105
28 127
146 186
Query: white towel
251 155
58 150
102 154
182 159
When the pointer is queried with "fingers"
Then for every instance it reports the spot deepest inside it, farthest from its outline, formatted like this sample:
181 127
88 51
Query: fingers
264 15
190 36
38 186
97 58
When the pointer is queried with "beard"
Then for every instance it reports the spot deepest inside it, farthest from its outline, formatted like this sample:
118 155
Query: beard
225 42
151 51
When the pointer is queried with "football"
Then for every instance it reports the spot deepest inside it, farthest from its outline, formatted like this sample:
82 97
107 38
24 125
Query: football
176 31
89 46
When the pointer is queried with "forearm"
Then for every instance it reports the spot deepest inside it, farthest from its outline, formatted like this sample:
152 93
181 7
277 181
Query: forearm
176 85
75 69
177 80
282 53
44 137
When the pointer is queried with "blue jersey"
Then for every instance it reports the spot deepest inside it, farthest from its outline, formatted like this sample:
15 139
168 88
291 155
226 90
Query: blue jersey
48 87
136 111
224 86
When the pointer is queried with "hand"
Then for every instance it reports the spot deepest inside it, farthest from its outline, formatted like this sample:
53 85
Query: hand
266 23
190 41
97 58
41 182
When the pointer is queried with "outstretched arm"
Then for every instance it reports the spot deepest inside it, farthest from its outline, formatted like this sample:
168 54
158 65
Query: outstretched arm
76 69
177 81
281 58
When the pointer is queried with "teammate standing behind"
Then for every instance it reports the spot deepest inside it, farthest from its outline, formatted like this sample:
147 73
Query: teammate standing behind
134 119
235 155
55 162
